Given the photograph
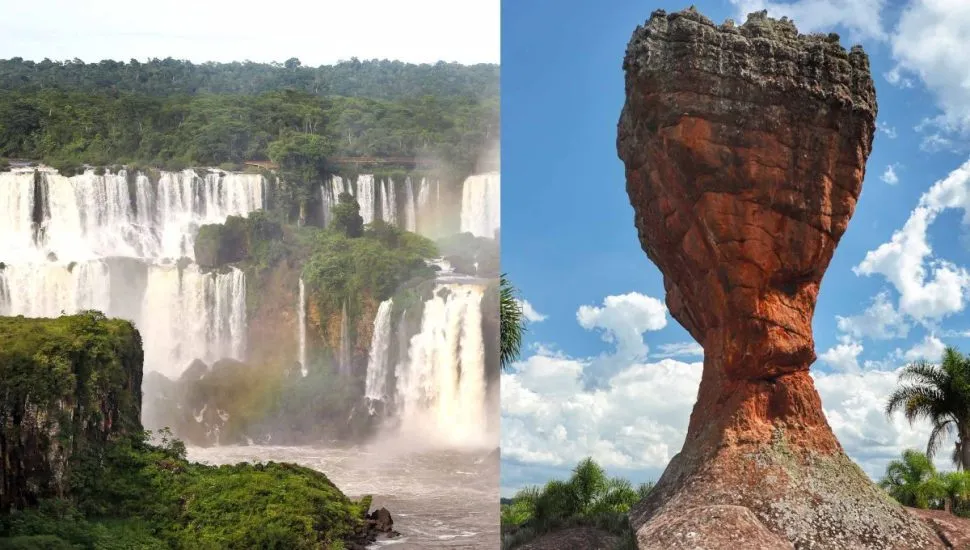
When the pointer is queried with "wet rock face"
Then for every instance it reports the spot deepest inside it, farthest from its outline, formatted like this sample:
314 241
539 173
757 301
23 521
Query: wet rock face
745 150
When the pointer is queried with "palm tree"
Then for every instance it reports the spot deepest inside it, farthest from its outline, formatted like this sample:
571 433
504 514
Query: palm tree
940 394
512 324
956 488
913 480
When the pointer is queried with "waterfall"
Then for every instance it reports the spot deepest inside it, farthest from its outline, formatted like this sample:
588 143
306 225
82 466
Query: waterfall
365 197
107 242
344 359
388 202
301 321
410 215
441 389
480 205
4 295
377 363
329 195
91 216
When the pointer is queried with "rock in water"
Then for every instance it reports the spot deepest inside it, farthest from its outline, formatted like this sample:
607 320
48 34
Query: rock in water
745 150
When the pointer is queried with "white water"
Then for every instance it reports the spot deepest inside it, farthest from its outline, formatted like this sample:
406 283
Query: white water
103 244
365 197
480 205
375 386
388 202
301 321
410 215
441 390
90 216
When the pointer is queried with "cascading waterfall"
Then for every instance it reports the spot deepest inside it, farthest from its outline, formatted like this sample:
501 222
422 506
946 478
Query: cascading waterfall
410 215
365 197
441 389
301 321
388 202
375 385
480 202
344 359
108 242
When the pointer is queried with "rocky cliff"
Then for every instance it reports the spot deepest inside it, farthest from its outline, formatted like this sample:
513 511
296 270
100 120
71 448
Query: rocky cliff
745 150
66 385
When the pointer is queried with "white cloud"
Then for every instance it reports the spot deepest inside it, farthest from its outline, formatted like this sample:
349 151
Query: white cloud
222 30
548 417
929 289
844 356
880 321
929 349
854 405
924 42
896 79
679 349
889 176
862 18
530 313
623 320
890 131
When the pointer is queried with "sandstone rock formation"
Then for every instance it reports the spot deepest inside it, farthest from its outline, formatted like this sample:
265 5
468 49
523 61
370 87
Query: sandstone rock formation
745 150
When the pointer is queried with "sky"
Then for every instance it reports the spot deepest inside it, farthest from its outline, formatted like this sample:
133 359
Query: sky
605 371
318 33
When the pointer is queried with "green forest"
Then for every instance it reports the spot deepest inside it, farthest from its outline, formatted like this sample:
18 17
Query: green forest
174 114
374 79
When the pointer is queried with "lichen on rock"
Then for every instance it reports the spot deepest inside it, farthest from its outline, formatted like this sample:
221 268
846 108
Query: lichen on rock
745 150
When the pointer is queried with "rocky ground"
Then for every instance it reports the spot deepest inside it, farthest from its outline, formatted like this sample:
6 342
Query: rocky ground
586 538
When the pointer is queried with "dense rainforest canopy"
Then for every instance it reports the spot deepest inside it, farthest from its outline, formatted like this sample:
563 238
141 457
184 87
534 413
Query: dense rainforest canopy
174 114
389 80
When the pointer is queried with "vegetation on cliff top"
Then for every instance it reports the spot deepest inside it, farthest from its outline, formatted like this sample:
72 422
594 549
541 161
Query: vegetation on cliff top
66 384
83 474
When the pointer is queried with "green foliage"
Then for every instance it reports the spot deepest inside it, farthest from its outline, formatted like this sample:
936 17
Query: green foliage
512 323
346 216
137 495
587 498
67 127
914 481
341 269
67 384
940 394
257 238
161 77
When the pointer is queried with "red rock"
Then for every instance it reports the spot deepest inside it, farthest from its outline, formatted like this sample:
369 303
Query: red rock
745 151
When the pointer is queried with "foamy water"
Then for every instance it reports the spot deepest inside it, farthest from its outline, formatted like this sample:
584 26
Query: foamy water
438 499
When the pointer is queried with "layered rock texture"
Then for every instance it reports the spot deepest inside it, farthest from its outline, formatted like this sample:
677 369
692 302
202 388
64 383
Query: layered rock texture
745 150
67 385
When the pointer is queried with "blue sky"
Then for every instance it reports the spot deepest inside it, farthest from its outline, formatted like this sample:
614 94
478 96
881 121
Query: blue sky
606 371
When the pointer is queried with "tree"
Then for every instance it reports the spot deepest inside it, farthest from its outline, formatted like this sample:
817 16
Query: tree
940 394
346 216
913 480
512 323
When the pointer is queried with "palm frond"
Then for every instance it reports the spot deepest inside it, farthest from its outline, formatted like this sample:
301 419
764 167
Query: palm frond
512 323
